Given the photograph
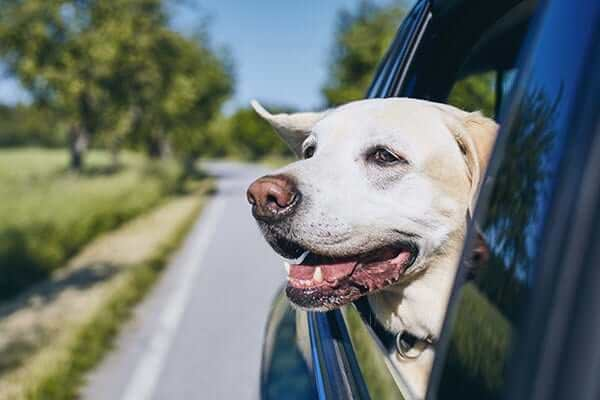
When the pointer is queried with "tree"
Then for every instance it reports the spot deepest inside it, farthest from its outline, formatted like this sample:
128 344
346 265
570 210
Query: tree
189 95
49 45
361 40
475 93
253 136
114 69
29 125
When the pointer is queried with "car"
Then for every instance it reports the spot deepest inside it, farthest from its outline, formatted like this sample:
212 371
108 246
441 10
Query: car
522 320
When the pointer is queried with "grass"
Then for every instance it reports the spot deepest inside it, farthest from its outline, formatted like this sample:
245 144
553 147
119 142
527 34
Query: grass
48 213
80 323
96 337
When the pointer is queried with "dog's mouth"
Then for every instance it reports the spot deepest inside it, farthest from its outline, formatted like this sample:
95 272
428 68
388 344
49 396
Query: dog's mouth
324 283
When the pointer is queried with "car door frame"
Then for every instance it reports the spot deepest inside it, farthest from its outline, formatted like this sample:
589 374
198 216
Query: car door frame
539 361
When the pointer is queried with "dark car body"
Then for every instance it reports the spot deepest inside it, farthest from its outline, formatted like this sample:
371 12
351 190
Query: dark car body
525 325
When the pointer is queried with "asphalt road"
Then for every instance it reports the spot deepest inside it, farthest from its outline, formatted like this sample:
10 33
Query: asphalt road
198 334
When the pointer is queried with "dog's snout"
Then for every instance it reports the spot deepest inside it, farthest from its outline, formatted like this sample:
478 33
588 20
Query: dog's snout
273 196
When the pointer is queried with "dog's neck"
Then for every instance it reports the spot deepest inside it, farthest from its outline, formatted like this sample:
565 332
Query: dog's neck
418 305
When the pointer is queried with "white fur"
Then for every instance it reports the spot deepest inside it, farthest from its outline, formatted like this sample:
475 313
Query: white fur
351 206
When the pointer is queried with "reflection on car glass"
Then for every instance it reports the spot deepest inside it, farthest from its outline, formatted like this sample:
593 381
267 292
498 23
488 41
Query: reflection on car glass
285 372
489 306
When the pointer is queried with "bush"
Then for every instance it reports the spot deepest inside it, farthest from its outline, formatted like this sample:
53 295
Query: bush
253 137
48 213
29 126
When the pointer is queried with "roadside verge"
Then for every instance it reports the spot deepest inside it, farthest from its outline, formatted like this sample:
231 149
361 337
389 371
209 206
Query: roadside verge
52 335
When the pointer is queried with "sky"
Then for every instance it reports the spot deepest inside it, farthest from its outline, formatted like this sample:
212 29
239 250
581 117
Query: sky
280 48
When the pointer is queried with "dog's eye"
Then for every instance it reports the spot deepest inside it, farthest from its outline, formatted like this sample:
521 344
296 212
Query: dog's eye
309 151
384 157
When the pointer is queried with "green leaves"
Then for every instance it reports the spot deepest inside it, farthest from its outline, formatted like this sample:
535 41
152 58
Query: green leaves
361 40
114 69
254 137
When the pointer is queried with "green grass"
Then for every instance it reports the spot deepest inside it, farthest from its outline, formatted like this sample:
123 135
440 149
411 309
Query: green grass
96 337
48 213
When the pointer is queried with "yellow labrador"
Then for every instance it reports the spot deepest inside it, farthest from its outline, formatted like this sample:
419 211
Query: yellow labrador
376 207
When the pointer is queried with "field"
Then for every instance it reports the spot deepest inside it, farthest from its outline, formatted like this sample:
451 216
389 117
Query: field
61 328
48 213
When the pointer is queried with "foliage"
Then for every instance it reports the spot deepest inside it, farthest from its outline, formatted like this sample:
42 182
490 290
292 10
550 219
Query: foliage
29 125
517 202
475 93
114 69
361 40
48 214
95 338
253 137
184 97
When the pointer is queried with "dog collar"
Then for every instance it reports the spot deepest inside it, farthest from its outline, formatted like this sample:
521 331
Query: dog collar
410 347
404 344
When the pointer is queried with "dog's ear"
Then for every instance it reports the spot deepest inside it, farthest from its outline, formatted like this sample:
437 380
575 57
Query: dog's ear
293 128
475 135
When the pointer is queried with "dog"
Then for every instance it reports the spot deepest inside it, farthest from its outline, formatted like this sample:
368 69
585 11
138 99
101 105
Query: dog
376 206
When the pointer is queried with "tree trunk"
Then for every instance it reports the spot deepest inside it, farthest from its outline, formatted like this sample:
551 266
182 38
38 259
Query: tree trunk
154 147
157 144
115 156
165 148
189 166
189 171
79 141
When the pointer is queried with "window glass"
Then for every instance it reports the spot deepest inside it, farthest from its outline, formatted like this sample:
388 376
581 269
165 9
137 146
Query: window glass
380 382
285 372
483 91
481 75
385 72
475 93
491 306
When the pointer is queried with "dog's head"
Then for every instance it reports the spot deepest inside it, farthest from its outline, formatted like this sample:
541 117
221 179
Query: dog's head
381 187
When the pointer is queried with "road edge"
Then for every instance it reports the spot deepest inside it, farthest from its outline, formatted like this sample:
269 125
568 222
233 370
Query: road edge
95 338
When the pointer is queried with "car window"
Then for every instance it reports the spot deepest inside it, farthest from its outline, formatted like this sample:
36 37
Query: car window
487 75
502 266
387 70
483 91
483 77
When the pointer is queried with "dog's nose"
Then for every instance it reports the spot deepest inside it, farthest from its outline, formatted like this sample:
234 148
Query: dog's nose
273 197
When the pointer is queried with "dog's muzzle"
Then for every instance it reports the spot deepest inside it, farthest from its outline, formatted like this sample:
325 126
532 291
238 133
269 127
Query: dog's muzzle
273 197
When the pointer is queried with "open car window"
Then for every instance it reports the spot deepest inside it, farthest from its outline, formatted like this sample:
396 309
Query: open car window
479 77
488 73
486 335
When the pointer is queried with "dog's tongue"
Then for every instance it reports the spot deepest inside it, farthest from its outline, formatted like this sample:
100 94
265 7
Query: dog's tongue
331 272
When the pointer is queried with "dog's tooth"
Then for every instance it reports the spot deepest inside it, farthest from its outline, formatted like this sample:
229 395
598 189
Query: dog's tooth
318 275
287 267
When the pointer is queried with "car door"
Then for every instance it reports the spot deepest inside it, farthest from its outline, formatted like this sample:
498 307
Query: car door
464 52
518 327
479 56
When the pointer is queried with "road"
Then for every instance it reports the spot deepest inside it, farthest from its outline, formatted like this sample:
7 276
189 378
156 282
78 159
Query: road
198 334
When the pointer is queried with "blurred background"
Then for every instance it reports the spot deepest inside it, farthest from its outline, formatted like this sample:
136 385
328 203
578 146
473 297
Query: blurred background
109 111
